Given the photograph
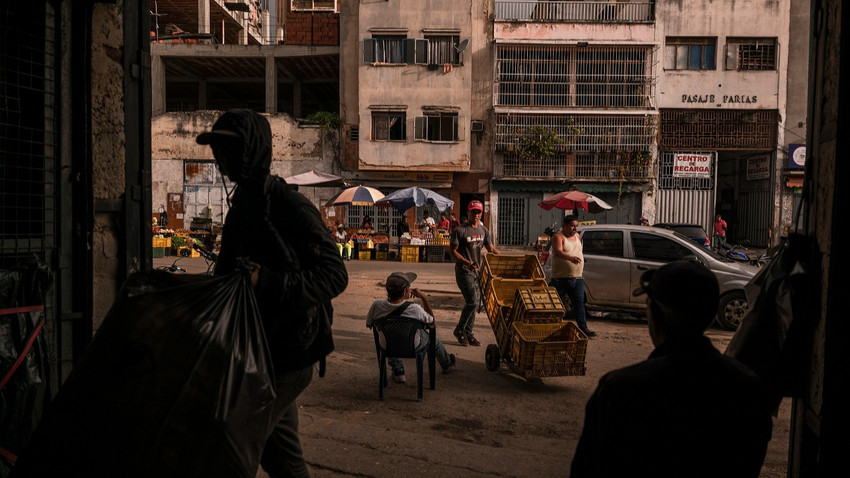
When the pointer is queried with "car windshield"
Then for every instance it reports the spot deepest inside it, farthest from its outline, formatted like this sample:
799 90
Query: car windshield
690 231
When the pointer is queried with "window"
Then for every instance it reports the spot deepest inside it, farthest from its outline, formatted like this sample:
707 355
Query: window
443 49
314 5
442 126
395 49
749 54
389 126
650 247
603 243
692 53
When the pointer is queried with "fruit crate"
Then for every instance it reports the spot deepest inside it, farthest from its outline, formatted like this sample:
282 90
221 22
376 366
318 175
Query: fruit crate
435 253
537 305
365 255
507 266
504 290
494 308
501 331
162 242
380 256
548 350
409 253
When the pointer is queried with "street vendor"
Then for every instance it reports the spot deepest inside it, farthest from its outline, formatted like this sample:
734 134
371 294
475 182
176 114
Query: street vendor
367 222
465 248
342 242
444 223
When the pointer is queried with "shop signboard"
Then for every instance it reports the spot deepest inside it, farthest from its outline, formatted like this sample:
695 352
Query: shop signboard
691 165
797 156
758 168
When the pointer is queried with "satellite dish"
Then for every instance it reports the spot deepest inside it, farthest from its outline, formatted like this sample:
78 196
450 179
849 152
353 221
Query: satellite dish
462 46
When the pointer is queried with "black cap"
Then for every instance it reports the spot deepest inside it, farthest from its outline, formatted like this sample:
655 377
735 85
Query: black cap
230 125
397 281
683 287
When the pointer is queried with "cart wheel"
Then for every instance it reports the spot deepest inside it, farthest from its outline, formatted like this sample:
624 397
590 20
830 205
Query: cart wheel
492 358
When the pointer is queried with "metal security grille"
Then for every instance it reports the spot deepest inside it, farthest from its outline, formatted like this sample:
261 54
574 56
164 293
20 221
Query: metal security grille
512 221
384 219
584 133
718 130
751 54
574 76
576 11
28 205
596 166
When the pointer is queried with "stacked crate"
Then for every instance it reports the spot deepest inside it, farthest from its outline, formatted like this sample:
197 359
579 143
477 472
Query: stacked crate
527 317
161 246
409 253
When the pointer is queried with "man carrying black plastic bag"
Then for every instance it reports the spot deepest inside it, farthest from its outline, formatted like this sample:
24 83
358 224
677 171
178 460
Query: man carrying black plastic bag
298 271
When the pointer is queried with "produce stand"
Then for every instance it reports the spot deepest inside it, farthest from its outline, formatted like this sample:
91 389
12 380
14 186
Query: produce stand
527 317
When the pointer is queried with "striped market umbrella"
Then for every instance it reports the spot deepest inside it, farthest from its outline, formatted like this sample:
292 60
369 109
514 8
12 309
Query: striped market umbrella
356 196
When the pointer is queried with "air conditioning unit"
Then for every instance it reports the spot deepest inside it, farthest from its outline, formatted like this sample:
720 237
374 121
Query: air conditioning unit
477 127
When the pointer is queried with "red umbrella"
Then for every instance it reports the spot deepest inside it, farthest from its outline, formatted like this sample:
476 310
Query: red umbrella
572 200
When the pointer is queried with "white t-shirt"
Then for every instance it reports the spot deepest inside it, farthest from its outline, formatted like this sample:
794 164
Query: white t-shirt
381 308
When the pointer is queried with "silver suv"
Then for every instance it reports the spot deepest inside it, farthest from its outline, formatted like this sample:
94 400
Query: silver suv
616 255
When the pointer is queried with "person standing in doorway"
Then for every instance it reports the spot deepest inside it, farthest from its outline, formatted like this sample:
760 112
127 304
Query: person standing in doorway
567 267
719 231
465 248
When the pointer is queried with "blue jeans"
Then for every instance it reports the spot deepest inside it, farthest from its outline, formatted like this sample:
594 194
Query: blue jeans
574 289
467 282
397 364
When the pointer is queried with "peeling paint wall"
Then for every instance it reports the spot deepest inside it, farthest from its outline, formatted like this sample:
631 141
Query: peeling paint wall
295 149
107 151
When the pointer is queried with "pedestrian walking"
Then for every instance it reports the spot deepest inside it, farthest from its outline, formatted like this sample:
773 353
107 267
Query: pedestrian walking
297 271
465 248
665 416
567 268
719 231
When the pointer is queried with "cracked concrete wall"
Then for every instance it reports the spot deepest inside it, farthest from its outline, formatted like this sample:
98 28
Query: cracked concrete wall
108 151
295 149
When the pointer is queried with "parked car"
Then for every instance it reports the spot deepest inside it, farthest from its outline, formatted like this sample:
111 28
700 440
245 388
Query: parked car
617 255
694 231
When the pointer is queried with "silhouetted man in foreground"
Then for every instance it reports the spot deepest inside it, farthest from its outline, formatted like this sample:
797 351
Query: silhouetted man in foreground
687 410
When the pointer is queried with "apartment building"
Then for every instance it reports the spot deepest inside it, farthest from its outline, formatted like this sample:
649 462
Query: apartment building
722 100
574 104
209 56
415 86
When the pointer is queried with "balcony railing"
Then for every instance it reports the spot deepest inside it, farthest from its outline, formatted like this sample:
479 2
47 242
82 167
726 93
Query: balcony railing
576 11
612 167
579 132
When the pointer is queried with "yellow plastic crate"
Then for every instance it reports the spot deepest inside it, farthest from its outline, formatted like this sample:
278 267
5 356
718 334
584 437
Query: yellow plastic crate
162 242
506 266
537 305
549 350
364 255
504 290
380 255
409 253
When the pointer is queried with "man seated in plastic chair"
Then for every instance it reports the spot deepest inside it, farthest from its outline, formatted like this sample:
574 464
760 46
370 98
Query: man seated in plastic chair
398 292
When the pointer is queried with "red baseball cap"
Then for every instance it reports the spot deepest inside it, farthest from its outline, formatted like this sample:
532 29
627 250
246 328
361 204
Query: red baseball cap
475 205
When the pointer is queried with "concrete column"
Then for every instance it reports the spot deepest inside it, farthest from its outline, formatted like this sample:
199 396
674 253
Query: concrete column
296 99
203 16
271 85
268 32
157 85
202 94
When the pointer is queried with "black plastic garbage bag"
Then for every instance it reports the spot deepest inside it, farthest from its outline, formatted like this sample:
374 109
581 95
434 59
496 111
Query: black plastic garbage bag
24 360
177 382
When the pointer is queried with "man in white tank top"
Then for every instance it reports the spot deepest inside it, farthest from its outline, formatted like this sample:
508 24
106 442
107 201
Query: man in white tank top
567 267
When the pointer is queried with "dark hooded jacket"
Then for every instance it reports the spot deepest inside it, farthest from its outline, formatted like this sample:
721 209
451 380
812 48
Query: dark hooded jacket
275 226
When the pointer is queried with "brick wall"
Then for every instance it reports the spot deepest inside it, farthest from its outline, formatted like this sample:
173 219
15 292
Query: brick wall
312 28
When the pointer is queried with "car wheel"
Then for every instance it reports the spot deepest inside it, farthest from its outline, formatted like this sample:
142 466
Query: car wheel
492 358
731 310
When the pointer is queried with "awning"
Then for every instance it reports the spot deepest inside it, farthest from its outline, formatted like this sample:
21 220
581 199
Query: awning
794 182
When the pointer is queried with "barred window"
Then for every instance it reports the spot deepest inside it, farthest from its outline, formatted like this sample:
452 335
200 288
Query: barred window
749 54
389 126
690 53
